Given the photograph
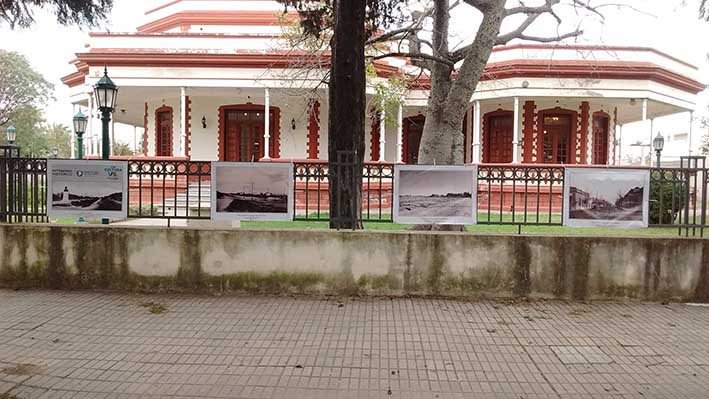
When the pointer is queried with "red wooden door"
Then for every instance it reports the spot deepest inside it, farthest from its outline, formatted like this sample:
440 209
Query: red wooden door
600 139
499 139
231 136
164 147
243 136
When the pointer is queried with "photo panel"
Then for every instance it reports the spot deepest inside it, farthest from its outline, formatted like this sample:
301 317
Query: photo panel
89 189
598 197
431 194
252 191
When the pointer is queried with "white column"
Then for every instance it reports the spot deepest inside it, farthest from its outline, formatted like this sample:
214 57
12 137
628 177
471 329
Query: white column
642 159
620 144
88 136
652 148
689 138
266 124
183 125
476 133
135 139
469 135
400 134
72 136
515 131
382 134
111 134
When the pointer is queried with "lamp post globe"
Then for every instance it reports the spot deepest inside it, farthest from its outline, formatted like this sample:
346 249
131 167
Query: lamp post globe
80 121
105 92
659 143
11 135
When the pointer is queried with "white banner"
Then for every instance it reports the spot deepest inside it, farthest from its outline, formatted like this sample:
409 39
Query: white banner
91 189
252 191
428 194
597 197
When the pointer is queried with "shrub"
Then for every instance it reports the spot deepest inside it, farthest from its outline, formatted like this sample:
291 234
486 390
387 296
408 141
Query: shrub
672 195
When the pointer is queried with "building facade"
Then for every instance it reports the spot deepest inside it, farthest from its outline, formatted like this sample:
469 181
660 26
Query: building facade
216 80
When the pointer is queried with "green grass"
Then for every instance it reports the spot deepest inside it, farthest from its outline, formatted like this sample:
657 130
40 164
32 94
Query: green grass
479 228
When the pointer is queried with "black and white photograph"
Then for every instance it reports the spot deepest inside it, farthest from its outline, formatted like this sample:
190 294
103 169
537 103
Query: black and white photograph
435 194
595 197
87 188
252 191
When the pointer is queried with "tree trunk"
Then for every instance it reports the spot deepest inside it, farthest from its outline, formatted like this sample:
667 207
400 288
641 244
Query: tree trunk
347 103
442 142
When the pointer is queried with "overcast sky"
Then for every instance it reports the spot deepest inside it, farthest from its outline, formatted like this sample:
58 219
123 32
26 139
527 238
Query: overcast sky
668 25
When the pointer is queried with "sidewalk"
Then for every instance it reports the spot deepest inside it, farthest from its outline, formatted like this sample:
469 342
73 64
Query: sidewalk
95 345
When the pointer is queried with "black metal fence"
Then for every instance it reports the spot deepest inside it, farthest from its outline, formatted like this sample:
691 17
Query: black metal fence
23 190
520 195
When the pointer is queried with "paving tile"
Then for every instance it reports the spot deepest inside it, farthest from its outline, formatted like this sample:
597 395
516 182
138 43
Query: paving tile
97 345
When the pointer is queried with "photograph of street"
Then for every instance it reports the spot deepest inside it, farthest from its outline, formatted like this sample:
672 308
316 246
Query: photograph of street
435 194
606 196
251 190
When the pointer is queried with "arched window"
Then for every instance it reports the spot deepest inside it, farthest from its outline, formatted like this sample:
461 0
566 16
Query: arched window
163 131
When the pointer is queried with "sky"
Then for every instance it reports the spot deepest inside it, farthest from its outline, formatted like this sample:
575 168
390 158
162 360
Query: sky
418 182
671 26
259 180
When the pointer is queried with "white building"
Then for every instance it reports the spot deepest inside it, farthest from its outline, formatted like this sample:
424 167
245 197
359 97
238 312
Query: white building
200 76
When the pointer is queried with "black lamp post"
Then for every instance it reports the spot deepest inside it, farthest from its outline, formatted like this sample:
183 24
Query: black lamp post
105 92
10 150
80 121
659 143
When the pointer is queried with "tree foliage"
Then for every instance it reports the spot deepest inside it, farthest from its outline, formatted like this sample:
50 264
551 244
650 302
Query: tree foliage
35 138
121 148
20 13
20 85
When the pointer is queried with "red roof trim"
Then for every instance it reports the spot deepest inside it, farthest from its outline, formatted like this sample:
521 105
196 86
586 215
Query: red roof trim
581 70
561 46
184 34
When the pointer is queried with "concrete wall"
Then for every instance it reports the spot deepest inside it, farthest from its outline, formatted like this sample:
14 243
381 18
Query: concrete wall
419 263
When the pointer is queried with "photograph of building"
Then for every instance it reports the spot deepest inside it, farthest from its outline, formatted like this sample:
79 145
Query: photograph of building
600 197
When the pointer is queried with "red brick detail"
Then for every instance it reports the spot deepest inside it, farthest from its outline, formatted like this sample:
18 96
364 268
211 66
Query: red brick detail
188 126
314 130
164 108
145 131
275 127
374 142
612 139
584 121
528 131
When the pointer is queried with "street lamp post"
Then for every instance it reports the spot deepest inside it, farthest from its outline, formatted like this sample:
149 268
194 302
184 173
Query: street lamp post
10 150
80 121
659 143
105 92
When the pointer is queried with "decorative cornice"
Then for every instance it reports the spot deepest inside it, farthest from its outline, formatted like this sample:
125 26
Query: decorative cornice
213 17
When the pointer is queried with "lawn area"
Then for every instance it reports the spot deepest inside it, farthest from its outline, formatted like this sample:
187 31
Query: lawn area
484 228
479 228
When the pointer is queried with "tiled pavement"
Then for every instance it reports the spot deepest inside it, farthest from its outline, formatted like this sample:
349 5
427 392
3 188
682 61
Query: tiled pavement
96 345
